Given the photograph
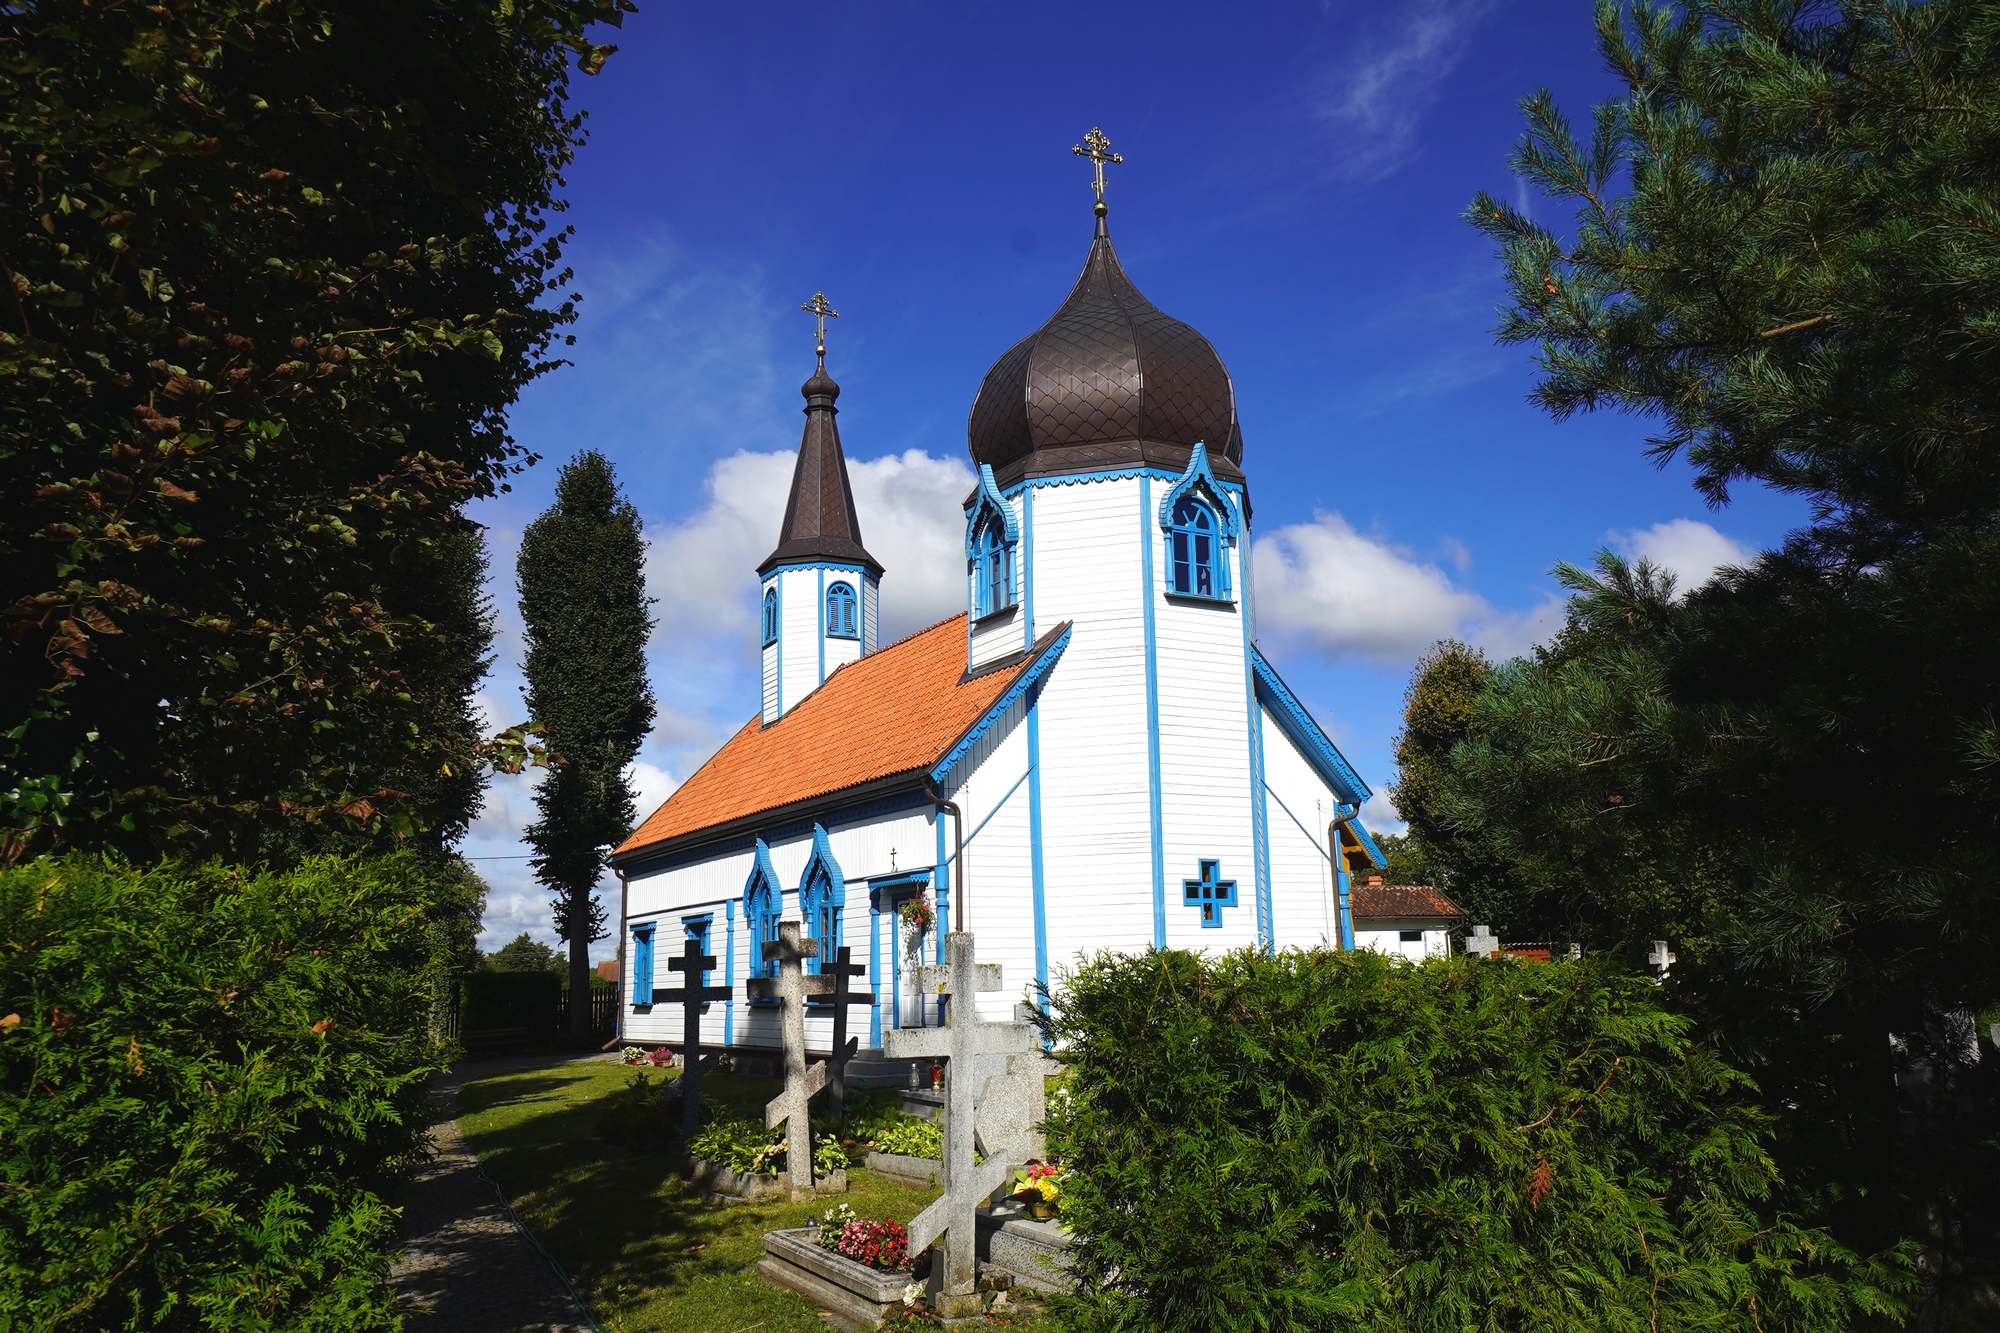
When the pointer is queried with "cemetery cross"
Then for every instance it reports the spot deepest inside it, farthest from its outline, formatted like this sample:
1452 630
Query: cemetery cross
692 994
844 1046
973 1052
791 986
1482 943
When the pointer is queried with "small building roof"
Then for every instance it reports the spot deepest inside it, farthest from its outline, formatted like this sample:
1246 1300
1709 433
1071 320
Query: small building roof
1401 902
889 719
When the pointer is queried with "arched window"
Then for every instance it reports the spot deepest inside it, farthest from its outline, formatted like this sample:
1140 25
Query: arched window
770 616
1196 565
763 908
993 570
841 620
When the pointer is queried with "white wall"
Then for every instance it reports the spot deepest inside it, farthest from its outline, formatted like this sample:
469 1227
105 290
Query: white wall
1434 944
800 616
1302 893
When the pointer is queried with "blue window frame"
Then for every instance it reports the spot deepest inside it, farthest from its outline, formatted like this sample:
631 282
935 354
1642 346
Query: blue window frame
770 616
993 570
1196 563
762 910
1211 893
642 963
841 620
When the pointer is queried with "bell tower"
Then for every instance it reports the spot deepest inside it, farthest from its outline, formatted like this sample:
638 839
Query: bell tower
821 588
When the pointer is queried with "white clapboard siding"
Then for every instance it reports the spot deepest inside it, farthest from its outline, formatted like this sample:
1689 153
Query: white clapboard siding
871 615
997 636
800 625
1205 761
990 789
1097 831
1302 895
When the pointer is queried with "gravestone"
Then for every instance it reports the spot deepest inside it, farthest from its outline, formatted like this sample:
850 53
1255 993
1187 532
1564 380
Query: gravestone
1661 959
844 1046
1482 943
691 995
792 986
974 1053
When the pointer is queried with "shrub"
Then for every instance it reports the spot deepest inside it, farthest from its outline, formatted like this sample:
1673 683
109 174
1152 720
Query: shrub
911 1137
207 1078
531 1000
1345 1140
746 1146
639 1115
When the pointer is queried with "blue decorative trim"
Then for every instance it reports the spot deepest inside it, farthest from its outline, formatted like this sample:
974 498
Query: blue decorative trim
1153 720
985 499
769 606
859 571
1026 561
729 975
1361 835
821 885
1297 723
642 962
1211 893
1035 844
763 899
838 594
743 842
1199 476
1037 669
1343 887
875 972
941 904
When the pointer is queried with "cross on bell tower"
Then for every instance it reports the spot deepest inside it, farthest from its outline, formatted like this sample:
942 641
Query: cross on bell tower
821 310
1098 149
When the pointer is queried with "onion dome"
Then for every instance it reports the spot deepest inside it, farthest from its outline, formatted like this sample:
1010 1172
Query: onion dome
820 523
1109 381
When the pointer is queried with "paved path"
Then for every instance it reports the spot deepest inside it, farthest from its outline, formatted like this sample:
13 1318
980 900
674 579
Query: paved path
467 1270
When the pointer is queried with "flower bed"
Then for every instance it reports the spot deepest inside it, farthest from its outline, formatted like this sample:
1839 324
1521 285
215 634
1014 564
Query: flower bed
741 1160
858 1295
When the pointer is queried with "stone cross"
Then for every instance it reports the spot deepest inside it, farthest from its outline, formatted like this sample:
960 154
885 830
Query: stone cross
844 1046
1482 942
1661 959
973 1052
792 986
691 964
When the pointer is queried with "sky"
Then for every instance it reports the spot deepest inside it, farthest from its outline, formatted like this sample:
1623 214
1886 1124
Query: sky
1293 182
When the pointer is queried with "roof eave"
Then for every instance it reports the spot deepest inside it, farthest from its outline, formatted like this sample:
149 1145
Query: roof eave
861 793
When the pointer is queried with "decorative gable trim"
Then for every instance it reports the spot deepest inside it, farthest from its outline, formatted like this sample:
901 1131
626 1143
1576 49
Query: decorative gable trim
1298 724
761 869
822 860
987 499
1045 660
1200 476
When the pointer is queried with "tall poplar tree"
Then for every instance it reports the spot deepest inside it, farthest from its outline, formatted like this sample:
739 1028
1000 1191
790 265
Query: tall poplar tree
582 577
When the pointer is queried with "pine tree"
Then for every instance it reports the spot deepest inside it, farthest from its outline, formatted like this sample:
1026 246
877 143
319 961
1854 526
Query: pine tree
581 572
1786 251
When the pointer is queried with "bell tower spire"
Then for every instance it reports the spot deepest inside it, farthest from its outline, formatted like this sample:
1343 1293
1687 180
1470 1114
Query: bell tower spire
821 588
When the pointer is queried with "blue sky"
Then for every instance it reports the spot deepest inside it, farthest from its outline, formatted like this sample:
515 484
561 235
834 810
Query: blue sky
1292 187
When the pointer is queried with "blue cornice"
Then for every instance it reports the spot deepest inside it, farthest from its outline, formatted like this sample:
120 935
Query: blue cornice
1199 475
988 497
1368 844
1043 662
1320 752
843 565
760 868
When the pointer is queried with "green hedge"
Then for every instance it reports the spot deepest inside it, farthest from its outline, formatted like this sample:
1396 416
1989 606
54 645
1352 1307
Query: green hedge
1345 1141
207 1078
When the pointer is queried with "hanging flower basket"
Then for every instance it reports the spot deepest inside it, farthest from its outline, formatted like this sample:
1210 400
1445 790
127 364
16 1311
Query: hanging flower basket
918 919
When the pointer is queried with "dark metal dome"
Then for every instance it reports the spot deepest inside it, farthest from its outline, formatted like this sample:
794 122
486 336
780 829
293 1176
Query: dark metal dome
1109 381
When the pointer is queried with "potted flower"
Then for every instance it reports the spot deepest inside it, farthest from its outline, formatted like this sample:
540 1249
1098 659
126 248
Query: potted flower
1036 1188
918 918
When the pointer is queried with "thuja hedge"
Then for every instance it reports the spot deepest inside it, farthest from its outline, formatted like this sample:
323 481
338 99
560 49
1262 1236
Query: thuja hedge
1346 1141
208 1078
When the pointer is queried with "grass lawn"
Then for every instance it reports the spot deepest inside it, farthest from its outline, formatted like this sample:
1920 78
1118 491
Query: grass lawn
643 1249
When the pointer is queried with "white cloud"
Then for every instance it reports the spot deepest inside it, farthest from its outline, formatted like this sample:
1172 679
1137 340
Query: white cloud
1692 550
651 786
1372 104
703 568
1324 587
1378 814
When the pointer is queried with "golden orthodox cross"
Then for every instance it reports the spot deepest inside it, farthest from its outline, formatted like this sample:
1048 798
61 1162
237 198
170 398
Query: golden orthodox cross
1098 149
822 310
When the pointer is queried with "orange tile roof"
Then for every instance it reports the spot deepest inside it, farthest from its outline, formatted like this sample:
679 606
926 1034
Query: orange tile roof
898 710
1406 901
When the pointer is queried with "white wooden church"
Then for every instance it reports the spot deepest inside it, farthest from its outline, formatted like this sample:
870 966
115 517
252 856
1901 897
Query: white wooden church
1094 754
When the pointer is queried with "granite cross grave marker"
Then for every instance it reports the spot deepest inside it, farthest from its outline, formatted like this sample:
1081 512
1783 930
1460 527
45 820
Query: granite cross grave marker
692 994
973 1051
1661 958
792 986
1482 943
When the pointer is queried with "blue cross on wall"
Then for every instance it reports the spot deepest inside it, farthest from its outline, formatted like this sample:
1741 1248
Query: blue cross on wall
1210 893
